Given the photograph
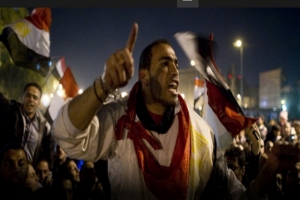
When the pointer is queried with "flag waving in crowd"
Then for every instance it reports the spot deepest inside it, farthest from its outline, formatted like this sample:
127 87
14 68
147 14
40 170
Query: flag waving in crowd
67 88
28 41
220 109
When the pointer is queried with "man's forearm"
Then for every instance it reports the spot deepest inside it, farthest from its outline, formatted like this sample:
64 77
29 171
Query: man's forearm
84 106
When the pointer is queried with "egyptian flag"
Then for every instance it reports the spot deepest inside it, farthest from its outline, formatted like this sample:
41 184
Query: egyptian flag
60 68
220 109
67 88
28 41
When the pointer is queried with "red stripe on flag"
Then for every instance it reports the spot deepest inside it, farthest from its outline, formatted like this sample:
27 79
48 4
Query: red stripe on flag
41 18
226 110
69 84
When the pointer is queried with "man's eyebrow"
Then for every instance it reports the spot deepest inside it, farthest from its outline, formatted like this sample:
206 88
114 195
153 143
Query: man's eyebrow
167 58
28 93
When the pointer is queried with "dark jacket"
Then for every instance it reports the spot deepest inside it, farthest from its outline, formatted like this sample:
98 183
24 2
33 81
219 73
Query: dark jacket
12 128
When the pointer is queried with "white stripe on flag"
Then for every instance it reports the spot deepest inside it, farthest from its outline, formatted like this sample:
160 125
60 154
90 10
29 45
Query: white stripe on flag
60 68
56 103
223 137
32 37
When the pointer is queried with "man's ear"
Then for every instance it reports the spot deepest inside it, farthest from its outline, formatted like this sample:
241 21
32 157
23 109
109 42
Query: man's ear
144 77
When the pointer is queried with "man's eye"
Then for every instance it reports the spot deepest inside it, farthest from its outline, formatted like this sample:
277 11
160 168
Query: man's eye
165 64
22 163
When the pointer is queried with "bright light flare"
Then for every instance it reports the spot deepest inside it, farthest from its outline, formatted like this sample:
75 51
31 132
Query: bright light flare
193 62
238 43
45 100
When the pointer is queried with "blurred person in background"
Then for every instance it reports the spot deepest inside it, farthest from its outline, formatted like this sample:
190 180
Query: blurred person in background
236 161
274 134
262 127
32 180
59 158
23 123
13 172
44 173
89 188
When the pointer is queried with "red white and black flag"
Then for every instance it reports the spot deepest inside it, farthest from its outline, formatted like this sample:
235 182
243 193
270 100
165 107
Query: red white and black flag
28 41
220 109
67 88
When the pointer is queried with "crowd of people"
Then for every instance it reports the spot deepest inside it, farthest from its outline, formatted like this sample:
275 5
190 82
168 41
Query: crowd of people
32 165
148 145
239 157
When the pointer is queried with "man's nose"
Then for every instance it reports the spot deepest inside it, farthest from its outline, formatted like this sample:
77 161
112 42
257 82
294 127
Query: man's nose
174 70
32 98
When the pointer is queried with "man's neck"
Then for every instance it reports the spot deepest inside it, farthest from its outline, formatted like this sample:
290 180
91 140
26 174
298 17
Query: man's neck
156 118
156 108
30 116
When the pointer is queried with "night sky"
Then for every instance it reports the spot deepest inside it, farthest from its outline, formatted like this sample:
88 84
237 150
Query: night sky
87 36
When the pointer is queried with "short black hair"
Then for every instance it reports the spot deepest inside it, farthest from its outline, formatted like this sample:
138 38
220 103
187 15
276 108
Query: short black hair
234 151
146 55
45 160
9 146
275 127
63 169
34 84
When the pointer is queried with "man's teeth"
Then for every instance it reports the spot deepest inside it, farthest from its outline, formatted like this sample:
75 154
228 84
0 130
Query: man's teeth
173 85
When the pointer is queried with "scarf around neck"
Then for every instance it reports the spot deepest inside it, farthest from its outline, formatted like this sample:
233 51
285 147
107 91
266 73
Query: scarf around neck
146 119
165 182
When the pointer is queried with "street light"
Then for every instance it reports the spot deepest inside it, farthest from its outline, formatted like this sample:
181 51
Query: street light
239 44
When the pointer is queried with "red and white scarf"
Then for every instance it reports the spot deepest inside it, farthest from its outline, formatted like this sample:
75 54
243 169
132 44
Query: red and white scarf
164 182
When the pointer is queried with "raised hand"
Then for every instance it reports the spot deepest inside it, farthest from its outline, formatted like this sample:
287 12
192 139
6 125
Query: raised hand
119 68
252 133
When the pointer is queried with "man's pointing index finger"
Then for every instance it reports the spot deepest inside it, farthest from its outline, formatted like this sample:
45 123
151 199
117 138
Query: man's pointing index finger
132 37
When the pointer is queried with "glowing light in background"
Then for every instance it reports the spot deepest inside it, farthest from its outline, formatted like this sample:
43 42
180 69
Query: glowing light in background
46 100
124 94
193 63
60 91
